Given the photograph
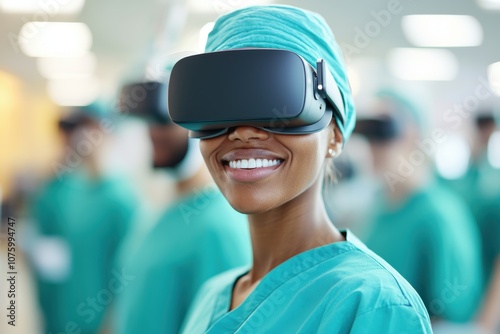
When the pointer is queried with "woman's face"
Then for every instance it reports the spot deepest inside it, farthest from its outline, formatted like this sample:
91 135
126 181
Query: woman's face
258 171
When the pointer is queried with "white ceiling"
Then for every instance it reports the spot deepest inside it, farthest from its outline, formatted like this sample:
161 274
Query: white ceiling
127 34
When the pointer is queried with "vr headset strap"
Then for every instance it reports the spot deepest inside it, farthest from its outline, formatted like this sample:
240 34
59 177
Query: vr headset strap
328 89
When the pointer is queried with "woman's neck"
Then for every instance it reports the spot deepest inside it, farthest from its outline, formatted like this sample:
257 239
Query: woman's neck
293 228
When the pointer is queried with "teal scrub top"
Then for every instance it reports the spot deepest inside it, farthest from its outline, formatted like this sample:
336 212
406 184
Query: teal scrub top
196 238
342 287
432 240
91 217
489 226
480 188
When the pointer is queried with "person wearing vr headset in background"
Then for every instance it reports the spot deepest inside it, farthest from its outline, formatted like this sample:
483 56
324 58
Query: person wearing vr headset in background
271 118
81 217
195 238
480 188
418 226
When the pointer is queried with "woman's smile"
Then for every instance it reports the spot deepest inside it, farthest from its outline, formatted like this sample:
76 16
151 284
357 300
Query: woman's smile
250 165
258 171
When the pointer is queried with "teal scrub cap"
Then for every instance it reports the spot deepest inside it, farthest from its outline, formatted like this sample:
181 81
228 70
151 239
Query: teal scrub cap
287 28
405 107
96 110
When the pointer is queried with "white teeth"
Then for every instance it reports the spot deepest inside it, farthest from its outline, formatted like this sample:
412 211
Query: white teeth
253 163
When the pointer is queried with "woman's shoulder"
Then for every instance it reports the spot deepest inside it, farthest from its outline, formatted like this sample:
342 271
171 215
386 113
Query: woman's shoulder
334 288
361 277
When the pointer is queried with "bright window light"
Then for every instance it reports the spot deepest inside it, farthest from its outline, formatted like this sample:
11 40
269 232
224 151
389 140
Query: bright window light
55 39
204 31
9 92
73 67
222 6
452 157
50 8
494 149
74 91
354 80
489 4
494 77
442 30
423 64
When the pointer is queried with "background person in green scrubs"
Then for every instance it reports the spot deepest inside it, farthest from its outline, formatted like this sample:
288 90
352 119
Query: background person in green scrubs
418 226
480 189
306 275
196 237
82 216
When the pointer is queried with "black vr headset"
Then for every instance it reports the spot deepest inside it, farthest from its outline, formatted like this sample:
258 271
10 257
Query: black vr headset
272 89
379 129
145 100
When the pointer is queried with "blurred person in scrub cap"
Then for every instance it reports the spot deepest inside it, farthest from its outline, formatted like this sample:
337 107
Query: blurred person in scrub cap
81 215
196 237
422 229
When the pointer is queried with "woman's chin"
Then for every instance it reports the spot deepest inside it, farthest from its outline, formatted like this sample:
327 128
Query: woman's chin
250 206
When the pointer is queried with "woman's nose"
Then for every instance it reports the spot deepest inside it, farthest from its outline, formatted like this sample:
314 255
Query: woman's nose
246 133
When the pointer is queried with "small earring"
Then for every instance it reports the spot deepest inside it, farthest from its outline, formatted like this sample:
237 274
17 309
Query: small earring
331 152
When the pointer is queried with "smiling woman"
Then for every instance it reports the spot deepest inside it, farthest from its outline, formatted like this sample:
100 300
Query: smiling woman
306 276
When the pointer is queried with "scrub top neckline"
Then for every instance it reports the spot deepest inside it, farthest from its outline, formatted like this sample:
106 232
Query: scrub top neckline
275 278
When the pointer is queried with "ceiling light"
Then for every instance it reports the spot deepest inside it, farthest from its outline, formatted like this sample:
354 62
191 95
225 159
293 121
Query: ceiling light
55 39
442 30
74 91
489 4
222 6
35 6
73 67
423 64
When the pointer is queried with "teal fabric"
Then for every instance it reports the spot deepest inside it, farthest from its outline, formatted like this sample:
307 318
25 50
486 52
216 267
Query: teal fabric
287 28
480 189
92 217
337 288
432 240
196 238
96 110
